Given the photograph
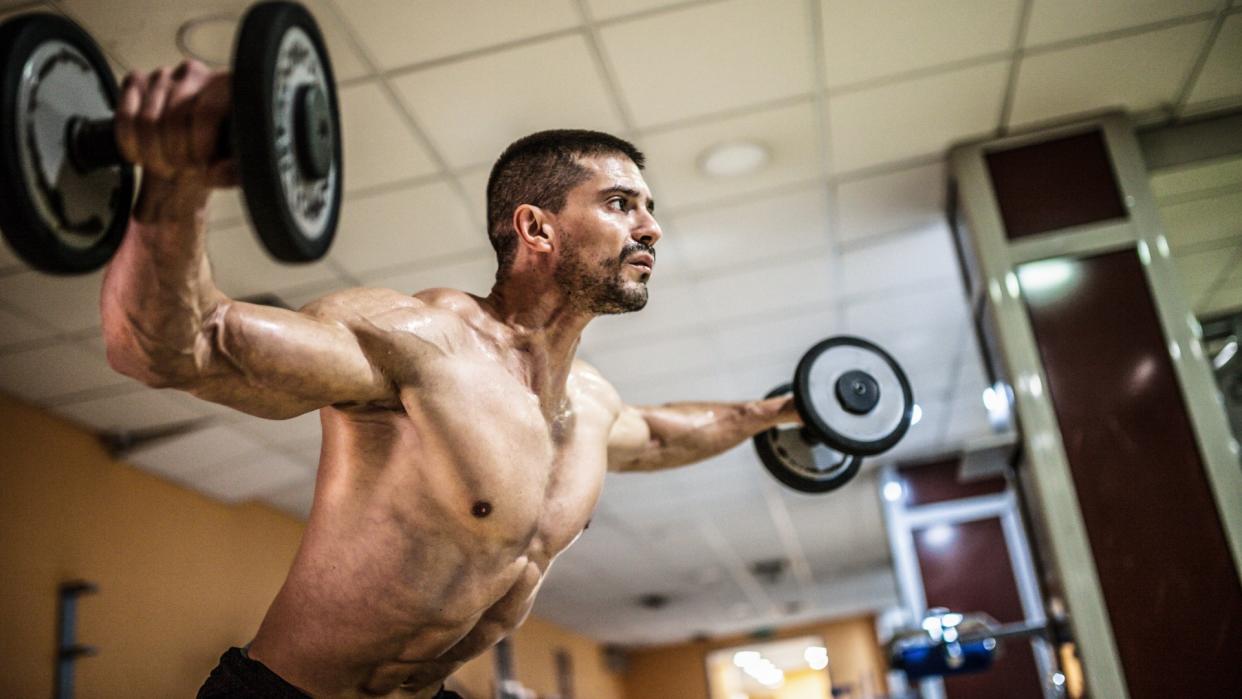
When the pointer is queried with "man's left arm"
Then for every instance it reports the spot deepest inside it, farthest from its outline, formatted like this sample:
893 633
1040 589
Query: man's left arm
650 438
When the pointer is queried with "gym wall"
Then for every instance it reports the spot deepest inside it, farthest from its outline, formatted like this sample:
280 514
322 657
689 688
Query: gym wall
181 577
680 670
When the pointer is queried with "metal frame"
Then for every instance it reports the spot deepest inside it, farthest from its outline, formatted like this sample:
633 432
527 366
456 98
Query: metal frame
903 521
998 260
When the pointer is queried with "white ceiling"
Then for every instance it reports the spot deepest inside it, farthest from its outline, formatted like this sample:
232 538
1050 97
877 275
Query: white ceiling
842 232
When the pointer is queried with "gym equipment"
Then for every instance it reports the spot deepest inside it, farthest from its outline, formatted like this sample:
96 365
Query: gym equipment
801 461
68 650
66 193
854 400
950 643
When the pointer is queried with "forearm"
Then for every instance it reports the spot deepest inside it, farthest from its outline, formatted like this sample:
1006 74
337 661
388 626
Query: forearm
158 293
685 433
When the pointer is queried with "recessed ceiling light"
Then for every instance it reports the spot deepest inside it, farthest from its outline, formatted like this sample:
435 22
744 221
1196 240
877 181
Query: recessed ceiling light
208 38
734 158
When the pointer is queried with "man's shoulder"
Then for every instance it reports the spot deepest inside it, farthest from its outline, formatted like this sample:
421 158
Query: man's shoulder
387 309
590 382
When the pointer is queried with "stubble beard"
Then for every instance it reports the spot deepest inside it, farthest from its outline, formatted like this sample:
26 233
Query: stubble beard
602 288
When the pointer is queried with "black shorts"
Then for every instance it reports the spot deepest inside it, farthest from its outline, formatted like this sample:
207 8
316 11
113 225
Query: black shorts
239 676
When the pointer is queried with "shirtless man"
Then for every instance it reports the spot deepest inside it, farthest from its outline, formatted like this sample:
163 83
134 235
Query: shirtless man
464 447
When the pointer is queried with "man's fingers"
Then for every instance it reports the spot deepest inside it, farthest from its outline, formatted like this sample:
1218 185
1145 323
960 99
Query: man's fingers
175 130
150 140
223 174
211 106
127 110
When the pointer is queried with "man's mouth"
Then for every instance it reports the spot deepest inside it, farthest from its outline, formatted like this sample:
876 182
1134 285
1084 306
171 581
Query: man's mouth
643 261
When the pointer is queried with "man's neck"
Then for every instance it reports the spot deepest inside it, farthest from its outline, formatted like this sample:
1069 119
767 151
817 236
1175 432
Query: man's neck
544 329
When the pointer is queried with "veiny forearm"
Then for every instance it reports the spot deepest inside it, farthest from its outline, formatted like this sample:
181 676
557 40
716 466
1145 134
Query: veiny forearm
685 433
158 293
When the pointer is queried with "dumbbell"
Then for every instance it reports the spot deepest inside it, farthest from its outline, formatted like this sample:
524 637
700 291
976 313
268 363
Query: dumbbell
66 193
854 401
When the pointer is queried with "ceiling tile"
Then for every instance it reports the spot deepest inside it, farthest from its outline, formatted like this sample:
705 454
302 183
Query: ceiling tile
130 411
694 383
179 456
67 303
241 266
936 304
925 255
299 296
225 209
968 422
685 354
1202 223
377 145
15 329
1227 299
1057 20
405 226
475 276
610 9
769 289
1200 272
1220 78
247 476
896 201
756 378
725 55
295 499
144 34
474 181
778 338
972 374
300 429
1194 180
41 374
915 117
472 109
1136 72
789 133
739 234
868 40
931 378
398 32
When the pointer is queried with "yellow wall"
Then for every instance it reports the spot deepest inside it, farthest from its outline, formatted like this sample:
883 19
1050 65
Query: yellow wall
181 577
679 670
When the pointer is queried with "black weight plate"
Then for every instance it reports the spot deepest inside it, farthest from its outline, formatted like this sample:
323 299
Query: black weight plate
815 396
279 50
802 464
57 219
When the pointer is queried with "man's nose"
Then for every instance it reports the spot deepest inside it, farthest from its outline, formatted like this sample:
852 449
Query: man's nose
648 230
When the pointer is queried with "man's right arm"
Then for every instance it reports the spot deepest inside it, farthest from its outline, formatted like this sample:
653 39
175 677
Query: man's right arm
166 323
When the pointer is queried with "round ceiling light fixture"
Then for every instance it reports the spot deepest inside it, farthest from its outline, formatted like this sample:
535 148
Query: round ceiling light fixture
734 158
208 39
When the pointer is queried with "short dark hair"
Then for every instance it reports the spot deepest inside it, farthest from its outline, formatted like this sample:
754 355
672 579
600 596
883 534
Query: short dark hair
540 169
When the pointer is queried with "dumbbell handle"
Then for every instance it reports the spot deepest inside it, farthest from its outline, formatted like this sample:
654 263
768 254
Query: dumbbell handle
91 143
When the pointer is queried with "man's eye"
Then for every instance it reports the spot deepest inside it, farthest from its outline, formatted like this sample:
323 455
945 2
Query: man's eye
617 203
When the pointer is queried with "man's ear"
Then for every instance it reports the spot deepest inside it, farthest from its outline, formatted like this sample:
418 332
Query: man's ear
533 228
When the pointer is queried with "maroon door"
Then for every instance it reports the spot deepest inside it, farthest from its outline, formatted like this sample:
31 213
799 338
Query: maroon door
966 568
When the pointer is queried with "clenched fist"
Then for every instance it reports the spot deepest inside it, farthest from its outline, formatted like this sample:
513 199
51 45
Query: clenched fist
171 123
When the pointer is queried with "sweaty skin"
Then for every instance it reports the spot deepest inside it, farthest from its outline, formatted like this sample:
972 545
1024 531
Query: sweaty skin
464 447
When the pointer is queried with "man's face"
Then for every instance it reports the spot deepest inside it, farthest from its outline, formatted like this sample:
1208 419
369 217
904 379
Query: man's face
607 238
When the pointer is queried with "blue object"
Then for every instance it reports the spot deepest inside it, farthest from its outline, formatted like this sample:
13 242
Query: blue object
936 660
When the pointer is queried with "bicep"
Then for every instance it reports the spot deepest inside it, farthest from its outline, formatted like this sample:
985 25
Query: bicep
629 441
279 363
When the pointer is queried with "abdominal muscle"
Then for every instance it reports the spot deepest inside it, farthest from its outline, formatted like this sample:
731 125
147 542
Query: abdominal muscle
397 582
